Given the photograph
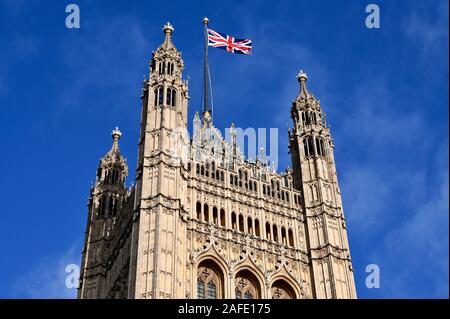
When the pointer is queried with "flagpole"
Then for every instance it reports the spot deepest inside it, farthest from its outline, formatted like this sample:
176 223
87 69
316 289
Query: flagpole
206 76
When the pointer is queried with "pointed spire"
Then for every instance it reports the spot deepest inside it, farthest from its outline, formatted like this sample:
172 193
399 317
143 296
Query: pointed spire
113 159
196 117
168 29
167 53
232 129
116 134
233 139
197 123
302 77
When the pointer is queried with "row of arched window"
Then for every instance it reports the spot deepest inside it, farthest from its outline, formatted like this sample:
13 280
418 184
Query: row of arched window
297 199
210 284
237 180
171 94
165 67
213 216
273 190
309 117
278 194
314 146
249 226
283 237
209 170
107 206
112 176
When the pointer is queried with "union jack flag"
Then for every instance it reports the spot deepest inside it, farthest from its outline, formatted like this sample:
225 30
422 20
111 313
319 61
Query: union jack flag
229 43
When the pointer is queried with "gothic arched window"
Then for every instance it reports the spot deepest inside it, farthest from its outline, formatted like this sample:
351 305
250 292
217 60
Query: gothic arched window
162 67
275 233
246 286
311 145
209 281
170 68
291 238
241 223
152 65
222 217
282 290
257 232
159 95
308 146
303 118
283 236
233 221
207 169
171 94
308 118
250 225
268 233
206 213
320 147
174 95
215 216
199 211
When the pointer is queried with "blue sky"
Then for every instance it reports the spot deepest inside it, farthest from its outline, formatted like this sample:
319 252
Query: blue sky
385 92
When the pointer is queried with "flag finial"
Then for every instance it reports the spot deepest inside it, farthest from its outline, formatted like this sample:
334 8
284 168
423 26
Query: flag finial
205 20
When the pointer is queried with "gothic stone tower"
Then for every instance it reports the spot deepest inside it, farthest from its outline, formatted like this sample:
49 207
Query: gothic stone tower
107 200
311 147
160 231
202 221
